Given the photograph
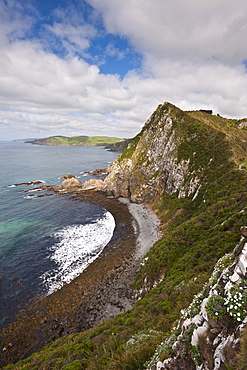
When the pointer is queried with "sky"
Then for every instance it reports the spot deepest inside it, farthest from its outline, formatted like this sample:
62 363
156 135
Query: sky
101 67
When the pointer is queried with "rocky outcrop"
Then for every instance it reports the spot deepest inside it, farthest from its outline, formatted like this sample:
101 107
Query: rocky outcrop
99 171
93 184
68 176
28 183
118 147
152 164
71 184
208 334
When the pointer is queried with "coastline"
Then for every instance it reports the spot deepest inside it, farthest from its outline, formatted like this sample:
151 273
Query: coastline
100 292
148 226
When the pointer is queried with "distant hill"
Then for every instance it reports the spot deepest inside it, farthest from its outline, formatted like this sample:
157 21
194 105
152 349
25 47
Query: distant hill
77 140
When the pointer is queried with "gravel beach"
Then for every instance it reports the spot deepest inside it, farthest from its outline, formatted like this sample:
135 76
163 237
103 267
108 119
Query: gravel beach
147 224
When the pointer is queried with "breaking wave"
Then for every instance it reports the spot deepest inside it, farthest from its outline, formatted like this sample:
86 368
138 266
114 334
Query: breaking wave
77 247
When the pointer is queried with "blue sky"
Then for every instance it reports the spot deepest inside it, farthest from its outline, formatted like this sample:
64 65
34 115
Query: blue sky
101 67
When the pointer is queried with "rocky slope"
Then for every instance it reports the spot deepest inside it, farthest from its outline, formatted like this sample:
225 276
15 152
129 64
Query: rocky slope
208 332
190 167
163 157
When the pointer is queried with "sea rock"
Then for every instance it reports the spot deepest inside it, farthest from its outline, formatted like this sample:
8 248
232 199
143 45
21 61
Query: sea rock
68 176
29 183
93 184
50 187
99 171
71 184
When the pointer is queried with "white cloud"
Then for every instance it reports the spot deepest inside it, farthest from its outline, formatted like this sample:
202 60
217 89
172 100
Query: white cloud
180 28
192 52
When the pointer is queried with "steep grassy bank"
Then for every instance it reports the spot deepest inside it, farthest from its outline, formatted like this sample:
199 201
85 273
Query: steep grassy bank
186 166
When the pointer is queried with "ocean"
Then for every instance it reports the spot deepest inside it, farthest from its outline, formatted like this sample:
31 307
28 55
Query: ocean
46 242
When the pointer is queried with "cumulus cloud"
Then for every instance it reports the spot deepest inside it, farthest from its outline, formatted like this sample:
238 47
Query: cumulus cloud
193 56
180 29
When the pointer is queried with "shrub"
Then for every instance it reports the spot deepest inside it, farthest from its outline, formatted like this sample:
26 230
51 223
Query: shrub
236 303
215 307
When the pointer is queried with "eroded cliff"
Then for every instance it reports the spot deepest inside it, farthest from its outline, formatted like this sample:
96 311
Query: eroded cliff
168 155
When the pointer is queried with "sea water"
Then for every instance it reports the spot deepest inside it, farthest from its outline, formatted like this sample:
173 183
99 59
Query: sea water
46 242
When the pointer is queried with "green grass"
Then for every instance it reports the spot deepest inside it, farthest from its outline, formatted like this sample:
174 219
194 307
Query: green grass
78 140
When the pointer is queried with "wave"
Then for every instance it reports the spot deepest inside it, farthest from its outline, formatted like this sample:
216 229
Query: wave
77 247
31 196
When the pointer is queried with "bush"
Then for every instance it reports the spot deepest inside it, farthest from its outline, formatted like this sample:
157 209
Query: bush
215 307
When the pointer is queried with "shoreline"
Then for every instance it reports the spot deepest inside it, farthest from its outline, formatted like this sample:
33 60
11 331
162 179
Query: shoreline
100 292
148 226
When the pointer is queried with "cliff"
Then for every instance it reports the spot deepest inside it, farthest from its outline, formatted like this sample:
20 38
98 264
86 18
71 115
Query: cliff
190 291
174 152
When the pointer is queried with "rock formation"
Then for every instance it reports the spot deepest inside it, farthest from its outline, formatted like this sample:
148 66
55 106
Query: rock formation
152 162
208 333
93 184
68 176
71 184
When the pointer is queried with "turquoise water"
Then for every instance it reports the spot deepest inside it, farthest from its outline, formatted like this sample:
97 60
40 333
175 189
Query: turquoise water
46 241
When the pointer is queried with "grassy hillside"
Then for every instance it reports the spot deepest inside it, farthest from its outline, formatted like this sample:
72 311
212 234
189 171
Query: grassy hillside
196 233
78 140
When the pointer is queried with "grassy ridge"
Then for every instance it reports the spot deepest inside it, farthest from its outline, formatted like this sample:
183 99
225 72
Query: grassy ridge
78 140
195 234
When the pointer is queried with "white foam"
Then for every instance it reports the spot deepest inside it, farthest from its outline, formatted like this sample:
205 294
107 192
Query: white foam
34 190
32 196
78 246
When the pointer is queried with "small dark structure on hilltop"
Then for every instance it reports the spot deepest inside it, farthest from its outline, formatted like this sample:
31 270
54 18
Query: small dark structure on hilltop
208 111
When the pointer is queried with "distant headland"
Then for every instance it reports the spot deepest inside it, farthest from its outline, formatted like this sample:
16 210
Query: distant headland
76 140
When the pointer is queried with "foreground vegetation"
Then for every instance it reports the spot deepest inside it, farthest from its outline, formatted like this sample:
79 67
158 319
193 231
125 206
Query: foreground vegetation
196 233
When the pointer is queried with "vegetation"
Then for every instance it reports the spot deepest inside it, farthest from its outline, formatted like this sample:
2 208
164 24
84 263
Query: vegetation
196 233
78 140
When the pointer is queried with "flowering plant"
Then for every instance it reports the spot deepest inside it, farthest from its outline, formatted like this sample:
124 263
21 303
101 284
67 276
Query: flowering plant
236 303
215 307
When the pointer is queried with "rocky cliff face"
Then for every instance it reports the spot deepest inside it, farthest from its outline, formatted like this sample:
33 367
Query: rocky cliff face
207 335
177 153
154 162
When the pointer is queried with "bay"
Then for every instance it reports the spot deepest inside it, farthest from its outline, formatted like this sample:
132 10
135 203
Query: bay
45 242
